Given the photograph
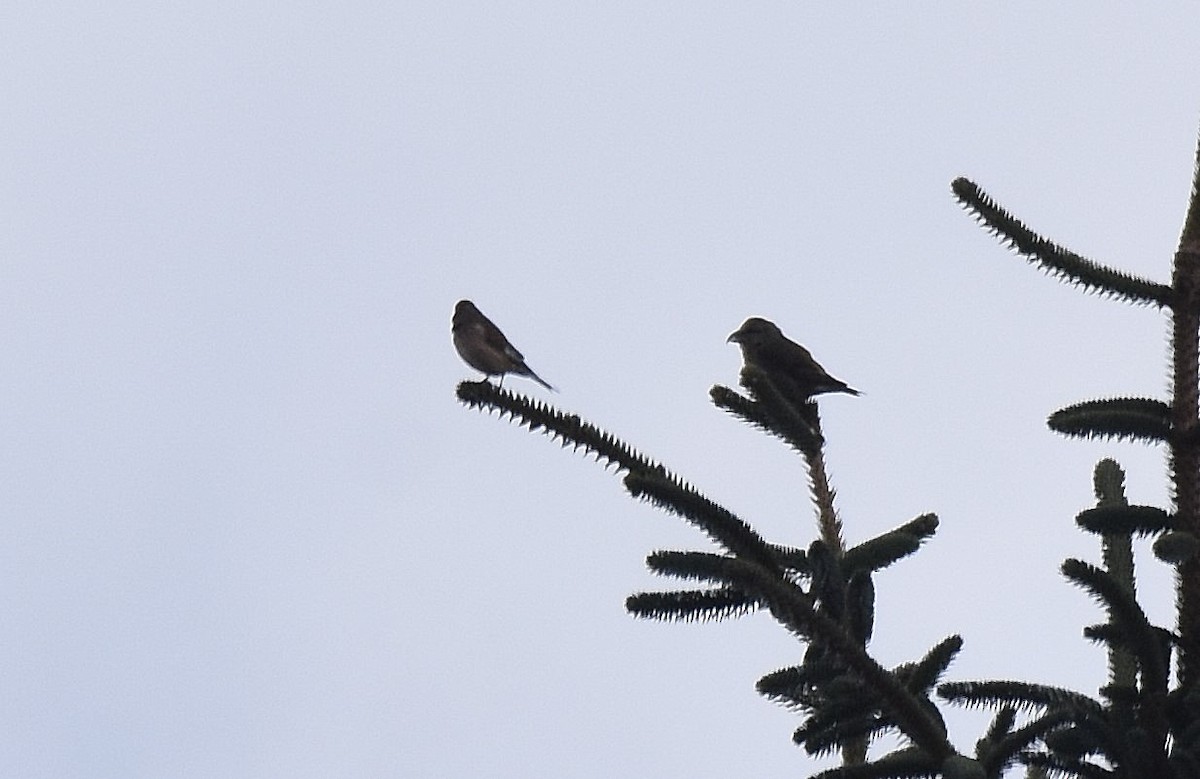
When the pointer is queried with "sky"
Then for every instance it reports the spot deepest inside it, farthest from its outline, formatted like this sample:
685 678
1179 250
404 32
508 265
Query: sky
247 530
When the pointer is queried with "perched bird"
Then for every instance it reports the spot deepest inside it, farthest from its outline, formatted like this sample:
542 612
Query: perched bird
482 346
788 364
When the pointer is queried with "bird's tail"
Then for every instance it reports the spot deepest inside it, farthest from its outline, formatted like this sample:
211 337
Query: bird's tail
539 379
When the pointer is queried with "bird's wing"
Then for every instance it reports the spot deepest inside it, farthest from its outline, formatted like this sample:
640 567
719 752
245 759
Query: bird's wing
496 340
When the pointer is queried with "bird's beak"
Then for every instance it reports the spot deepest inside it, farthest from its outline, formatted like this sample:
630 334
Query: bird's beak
734 337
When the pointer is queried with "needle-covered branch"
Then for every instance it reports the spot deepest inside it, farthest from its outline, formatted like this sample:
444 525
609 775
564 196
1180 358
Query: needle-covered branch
691 605
570 429
1055 259
1136 419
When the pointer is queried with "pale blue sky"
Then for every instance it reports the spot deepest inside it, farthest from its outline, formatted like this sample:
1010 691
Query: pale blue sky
246 530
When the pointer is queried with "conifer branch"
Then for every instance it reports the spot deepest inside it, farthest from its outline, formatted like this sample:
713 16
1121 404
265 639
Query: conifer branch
1001 725
779 418
795 686
1125 520
570 429
792 558
1053 258
796 611
1185 451
1022 696
1143 419
1078 711
1127 615
690 566
1006 749
921 676
691 605
1190 236
800 426
1001 747
797 425
1177 547
645 478
879 552
829 524
1118 522
1052 765
718 523
825 738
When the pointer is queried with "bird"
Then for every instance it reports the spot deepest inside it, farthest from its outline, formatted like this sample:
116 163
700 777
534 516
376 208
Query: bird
482 346
788 364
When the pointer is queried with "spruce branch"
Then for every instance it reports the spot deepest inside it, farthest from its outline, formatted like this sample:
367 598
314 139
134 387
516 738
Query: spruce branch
691 605
690 566
1053 258
1001 727
718 523
797 687
1143 419
776 416
1002 747
1022 696
570 429
877 553
644 479
1190 236
1178 547
797 425
920 677
1051 765
1125 520
829 524
792 558
826 735
1113 636
1184 461
1127 615
1118 522
912 714
1006 748
1185 452
755 574
796 611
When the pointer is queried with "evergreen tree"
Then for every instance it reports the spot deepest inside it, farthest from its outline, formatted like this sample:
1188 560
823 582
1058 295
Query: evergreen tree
1143 724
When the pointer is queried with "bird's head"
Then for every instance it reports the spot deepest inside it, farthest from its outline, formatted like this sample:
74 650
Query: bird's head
754 332
464 310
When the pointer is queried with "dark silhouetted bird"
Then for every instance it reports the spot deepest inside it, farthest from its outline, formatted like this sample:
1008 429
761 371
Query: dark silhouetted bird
482 346
788 364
